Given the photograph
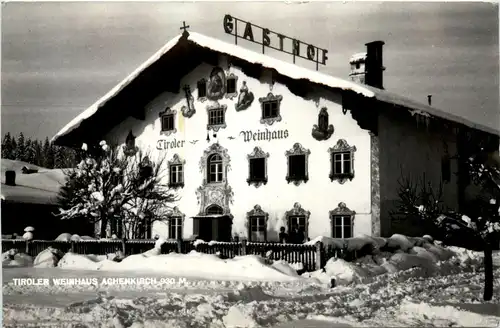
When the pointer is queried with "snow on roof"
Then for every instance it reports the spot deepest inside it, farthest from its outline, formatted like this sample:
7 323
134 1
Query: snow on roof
290 70
357 57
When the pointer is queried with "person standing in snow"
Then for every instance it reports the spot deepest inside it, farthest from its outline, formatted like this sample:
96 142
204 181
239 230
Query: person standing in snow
283 236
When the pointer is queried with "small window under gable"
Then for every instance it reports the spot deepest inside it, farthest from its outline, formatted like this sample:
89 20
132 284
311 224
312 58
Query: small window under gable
297 221
342 161
342 221
231 86
167 120
216 116
176 172
298 158
270 107
202 89
257 224
257 162
175 224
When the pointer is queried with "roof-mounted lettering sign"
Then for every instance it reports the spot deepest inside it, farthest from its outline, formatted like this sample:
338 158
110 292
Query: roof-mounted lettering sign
273 40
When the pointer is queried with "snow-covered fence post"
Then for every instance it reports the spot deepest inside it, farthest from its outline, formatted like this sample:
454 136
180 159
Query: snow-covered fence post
319 260
124 246
243 247
179 245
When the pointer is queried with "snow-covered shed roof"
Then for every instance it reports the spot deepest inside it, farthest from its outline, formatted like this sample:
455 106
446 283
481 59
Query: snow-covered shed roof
286 69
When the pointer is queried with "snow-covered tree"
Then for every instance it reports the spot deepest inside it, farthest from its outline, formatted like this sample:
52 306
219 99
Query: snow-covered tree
114 189
7 147
20 150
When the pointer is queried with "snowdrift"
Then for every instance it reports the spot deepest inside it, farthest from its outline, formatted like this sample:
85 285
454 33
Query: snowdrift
194 265
391 255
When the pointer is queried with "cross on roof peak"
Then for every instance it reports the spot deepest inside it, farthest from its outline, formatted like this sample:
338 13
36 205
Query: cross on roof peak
184 27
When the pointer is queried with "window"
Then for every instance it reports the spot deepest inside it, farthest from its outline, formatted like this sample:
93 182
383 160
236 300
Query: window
257 162
342 220
257 228
342 226
215 169
270 109
202 89
216 116
214 210
342 161
176 175
297 221
231 86
176 170
446 169
270 106
257 224
167 120
175 223
297 164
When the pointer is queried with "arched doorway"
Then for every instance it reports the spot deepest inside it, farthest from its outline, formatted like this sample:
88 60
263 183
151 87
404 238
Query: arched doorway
213 224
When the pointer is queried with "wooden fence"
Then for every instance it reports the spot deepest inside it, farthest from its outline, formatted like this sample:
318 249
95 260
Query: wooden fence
312 257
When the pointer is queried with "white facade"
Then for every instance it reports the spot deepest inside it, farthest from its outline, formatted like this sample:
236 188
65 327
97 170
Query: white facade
319 195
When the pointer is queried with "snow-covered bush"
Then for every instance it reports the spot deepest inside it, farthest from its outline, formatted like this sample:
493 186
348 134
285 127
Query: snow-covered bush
116 190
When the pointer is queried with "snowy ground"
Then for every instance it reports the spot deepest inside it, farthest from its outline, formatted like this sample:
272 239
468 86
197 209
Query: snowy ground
413 297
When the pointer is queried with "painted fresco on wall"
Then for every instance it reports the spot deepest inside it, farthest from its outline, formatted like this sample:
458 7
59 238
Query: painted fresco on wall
189 110
130 149
322 131
245 99
216 84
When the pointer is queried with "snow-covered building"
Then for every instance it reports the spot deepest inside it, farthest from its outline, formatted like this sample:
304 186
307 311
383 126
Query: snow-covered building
254 143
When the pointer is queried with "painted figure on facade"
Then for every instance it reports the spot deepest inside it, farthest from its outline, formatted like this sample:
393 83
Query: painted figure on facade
130 149
217 84
322 131
189 110
245 99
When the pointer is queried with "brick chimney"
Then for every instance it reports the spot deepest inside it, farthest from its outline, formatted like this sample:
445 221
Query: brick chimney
10 178
374 64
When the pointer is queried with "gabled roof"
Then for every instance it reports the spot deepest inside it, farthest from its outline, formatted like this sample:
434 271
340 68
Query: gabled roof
286 69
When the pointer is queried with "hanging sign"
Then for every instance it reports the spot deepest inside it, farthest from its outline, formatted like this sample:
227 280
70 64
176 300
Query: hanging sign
270 39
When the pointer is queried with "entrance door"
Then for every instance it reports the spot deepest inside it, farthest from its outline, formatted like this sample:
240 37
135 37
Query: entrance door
210 228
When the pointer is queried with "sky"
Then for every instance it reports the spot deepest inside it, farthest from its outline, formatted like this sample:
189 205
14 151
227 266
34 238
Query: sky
59 58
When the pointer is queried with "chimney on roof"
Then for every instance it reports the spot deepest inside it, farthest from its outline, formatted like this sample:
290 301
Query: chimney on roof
10 178
429 99
367 67
374 64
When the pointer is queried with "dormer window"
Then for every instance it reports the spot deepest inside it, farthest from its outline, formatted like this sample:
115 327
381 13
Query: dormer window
270 107
342 161
231 86
167 120
202 89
